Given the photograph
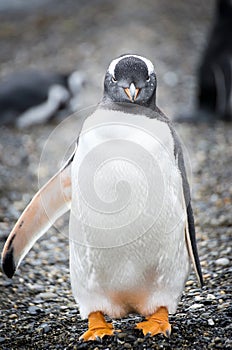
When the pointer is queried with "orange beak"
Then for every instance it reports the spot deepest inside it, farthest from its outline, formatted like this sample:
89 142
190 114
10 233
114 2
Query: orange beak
132 92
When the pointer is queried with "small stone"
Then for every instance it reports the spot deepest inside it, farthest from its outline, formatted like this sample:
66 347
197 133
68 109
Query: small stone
127 346
140 340
33 310
223 305
217 340
222 262
205 315
198 298
45 327
131 338
121 335
63 307
84 346
2 339
211 297
12 316
196 306
189 283
211 322
205 334
47 296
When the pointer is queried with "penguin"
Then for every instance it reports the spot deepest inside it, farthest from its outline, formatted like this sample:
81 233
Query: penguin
34 97
215 69
131 230
214 72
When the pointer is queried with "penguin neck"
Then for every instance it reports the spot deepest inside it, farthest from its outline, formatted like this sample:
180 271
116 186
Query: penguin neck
132 108
150 104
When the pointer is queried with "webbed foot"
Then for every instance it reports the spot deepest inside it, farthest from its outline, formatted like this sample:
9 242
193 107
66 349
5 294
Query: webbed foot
97 327
156 323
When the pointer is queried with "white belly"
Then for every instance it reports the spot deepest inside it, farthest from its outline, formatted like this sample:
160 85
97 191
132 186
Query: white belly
127 242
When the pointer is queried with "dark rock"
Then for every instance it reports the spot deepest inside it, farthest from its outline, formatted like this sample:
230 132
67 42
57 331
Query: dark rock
34 310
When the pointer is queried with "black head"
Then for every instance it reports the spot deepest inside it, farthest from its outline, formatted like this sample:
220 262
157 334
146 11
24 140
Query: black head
131 79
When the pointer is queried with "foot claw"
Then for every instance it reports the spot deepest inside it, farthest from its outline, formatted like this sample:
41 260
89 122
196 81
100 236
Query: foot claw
147 335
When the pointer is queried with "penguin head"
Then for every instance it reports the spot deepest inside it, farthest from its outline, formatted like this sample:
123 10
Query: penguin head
131 79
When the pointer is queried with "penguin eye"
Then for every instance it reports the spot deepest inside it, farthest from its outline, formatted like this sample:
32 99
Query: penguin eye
148 79
114 80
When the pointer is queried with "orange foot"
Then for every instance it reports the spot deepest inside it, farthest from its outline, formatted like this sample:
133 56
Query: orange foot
156 323
98 327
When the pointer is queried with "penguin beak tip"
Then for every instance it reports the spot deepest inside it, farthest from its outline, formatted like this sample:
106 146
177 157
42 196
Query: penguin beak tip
132 92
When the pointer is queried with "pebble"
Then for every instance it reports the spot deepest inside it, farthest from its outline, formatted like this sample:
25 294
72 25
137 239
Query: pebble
47 296
45 327
34 310
223 305
211 322
205 315
210 297
222 262
12 316
121 335
196 306
189 283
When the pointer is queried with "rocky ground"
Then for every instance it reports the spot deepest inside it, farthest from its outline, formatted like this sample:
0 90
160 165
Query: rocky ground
37 308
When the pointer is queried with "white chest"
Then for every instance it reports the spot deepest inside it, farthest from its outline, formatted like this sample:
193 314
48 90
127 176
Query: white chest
124 178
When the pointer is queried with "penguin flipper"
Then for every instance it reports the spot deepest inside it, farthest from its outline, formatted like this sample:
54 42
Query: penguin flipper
190 233
48 204
191 243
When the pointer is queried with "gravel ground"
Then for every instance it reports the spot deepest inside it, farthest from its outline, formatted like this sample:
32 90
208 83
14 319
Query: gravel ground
37 307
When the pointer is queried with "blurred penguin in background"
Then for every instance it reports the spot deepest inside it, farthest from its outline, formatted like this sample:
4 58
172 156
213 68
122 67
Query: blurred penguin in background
34 97
215 71
214 75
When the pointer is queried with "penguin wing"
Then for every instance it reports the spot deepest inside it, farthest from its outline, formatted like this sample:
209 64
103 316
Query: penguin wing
48 204
190 226
191 243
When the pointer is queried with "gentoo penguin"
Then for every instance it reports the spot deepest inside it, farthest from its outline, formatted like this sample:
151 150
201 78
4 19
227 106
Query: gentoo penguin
33 96
131 231
215 69
214 73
